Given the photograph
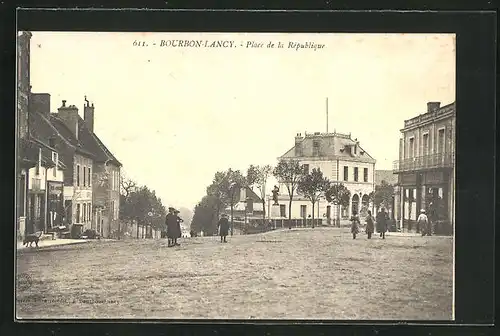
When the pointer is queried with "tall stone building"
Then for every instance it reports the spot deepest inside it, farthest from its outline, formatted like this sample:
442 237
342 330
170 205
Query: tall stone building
426 166
26 155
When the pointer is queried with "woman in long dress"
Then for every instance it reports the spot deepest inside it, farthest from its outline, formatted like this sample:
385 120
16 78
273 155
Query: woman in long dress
354 225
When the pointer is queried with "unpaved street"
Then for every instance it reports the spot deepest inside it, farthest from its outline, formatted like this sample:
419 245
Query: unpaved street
316 273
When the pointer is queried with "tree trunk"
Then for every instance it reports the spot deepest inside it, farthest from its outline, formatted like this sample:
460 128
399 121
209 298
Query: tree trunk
290 213
313 214
263 211
232 223
118 230
338 215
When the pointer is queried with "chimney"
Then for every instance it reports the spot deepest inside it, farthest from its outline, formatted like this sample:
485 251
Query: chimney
40 102
69 115
432 106
88 115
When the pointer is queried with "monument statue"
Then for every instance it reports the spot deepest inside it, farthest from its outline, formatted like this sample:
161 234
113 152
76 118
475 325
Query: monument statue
275 195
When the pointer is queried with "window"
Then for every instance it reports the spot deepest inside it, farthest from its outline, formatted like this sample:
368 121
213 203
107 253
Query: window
84 212
78 219
52 142
282 210
316 145
441 143
365 174
355 149
425 144
411 150
89 177
356 174
77 175
346 173
84 176
303 211
306 169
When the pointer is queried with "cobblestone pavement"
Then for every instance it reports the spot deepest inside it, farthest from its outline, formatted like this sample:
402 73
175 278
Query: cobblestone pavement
319 273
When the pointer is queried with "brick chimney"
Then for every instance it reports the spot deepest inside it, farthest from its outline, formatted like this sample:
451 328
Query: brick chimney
40 102
69 115
88 114
432 106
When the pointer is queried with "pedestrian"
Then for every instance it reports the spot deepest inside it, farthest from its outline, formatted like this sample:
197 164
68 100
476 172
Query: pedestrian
223 228
354 225
382 222
172 227
370 222
178 227
424 223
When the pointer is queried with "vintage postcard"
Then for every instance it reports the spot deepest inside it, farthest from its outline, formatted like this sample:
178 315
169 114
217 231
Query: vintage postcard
235 176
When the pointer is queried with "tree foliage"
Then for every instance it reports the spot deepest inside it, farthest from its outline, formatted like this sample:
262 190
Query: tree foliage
383 194
257 176
138 203
313 186
289 173
204 213
339 195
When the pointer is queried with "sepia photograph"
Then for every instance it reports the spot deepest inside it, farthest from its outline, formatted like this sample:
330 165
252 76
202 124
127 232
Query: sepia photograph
274 176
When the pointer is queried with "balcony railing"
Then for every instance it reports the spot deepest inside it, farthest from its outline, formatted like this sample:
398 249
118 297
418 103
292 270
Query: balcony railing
439 160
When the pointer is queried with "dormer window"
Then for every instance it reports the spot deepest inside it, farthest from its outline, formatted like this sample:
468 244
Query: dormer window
316 146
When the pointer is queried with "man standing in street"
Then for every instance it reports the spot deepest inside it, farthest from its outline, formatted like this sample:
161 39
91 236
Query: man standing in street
424 223
223 228
172 223
382 223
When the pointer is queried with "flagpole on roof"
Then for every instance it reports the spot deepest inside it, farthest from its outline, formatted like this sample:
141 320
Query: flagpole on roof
326 114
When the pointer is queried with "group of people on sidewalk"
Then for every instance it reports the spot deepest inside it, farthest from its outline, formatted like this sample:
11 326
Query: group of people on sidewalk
172 229
382 221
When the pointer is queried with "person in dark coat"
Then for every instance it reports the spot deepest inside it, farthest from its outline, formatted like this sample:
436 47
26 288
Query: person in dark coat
354 225
172 227
223 228
382 222
370 224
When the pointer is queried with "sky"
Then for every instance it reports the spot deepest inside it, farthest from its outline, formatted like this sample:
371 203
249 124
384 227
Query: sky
174 116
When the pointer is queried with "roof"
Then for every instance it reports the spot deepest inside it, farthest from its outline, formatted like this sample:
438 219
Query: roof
67 136
385 175
332 146
92 143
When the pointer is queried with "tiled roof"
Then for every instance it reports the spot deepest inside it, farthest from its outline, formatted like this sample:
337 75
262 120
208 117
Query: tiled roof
65 133
385 175
333 146
94 144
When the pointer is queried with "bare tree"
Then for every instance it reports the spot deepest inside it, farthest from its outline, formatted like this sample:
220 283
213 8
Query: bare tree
257 176
312 186
289 173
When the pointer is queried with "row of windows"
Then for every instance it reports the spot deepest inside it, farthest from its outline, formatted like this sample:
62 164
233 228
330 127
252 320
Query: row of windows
356 174
425 144
346 173
87 176
83 212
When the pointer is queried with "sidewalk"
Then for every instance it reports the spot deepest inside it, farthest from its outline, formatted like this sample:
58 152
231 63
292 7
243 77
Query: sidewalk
54 242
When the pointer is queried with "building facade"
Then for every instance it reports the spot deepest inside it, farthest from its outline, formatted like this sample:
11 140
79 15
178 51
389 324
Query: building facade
342 160
27 157
426 166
